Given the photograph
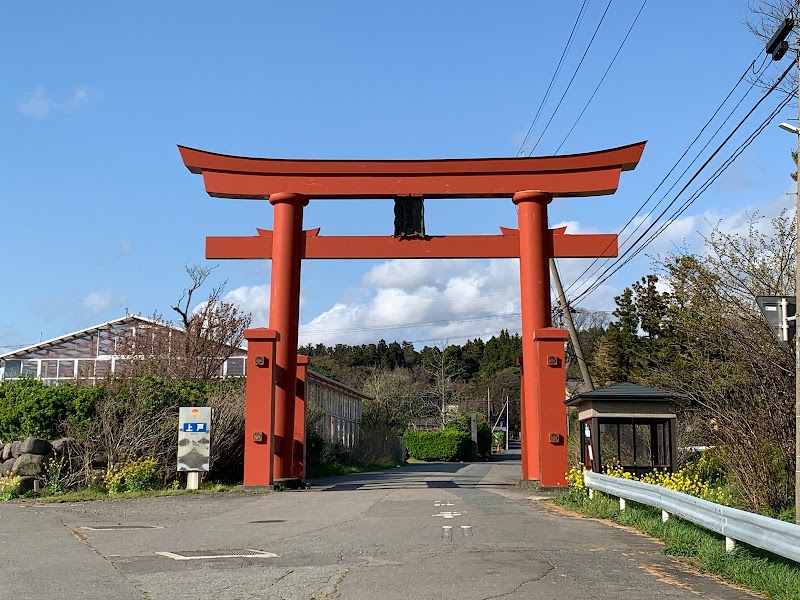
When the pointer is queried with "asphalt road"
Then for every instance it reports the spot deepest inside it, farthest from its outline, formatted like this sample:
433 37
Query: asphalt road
432 531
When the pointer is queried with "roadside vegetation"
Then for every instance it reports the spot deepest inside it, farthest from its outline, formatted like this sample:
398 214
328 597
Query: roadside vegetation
760 571
754 569
701 476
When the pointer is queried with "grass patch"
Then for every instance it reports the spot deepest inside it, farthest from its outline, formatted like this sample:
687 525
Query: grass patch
332 469
94 493
752 568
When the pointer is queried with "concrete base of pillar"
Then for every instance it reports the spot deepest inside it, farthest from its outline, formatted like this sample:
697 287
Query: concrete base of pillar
290 483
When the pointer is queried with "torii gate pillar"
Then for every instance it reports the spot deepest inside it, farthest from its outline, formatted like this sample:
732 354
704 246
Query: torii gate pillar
542 408
284 314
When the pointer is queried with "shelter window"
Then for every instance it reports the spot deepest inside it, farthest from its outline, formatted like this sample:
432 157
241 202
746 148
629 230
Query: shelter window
637 446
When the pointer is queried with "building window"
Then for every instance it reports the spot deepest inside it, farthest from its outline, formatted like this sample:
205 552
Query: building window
66 369
235 367
29 368
13 369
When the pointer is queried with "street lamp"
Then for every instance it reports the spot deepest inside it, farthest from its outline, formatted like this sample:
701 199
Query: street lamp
790 128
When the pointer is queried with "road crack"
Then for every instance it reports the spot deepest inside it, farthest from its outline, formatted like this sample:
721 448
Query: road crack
526 582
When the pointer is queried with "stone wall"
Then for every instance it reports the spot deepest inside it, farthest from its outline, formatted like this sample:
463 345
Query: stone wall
29 459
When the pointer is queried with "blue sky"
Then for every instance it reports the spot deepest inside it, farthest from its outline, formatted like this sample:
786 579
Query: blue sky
100 216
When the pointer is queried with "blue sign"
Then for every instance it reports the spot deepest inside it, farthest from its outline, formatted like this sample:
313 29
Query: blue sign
195 427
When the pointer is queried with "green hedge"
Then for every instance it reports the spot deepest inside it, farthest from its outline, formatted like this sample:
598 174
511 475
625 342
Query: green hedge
462 423
28 407
447 445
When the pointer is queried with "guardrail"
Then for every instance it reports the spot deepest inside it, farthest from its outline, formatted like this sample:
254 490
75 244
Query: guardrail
736 525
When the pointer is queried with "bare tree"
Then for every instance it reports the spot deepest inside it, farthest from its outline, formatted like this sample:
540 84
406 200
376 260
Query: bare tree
208 335
444 389
394 398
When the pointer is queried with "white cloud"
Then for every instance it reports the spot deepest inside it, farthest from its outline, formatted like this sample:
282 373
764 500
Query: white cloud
690 230
35 104
424 300
573 227
253 299
38 104
97 302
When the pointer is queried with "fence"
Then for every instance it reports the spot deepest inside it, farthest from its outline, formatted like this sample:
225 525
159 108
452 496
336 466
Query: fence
736 525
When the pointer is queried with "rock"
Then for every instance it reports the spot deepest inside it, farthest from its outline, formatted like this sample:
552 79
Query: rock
99 460
34 445
25 484
29 464
5 466
15 449
65 445
6 452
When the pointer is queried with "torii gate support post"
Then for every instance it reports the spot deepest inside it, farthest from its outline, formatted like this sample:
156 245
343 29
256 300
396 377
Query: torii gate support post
541 399
259 431
550 381
284 315
299 442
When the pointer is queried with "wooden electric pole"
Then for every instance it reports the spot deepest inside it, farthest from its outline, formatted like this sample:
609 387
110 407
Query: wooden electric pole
588 385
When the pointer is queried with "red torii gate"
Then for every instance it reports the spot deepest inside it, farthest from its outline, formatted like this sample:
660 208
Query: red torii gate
274 431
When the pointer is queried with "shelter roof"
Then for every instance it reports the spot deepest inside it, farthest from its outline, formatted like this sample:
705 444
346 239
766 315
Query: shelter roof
626 392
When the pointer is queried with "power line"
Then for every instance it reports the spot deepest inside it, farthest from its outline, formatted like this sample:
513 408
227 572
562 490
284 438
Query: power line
610 271
567 46
577 280
569 85
615 268
603 78
678 179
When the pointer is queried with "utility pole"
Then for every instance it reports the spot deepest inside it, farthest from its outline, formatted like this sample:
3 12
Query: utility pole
588 385
797 334
777 47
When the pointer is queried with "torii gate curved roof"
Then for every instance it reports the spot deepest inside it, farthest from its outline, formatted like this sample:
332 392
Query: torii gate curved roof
589 174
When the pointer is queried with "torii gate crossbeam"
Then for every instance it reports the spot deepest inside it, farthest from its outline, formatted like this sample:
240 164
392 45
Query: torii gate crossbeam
530 182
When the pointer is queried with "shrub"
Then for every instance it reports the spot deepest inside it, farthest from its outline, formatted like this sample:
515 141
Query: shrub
28 407
687 481
577 488
135 476
462 423
9 487
446 445
499 439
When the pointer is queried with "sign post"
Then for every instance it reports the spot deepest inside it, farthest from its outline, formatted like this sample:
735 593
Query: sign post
779 311
194 443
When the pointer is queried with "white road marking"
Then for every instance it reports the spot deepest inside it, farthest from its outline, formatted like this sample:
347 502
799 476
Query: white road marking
448 514
249 553
122 527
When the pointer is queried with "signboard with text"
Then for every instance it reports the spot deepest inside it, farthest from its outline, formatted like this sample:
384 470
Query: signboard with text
194 438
